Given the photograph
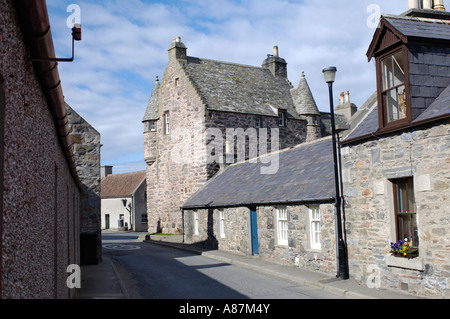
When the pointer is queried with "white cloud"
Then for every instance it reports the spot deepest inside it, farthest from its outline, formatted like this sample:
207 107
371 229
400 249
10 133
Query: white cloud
125 46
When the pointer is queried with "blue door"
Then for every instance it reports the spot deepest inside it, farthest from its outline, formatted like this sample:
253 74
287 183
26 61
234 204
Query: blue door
254 232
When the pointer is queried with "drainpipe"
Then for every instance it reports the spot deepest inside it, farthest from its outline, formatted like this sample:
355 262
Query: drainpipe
36 28
182 222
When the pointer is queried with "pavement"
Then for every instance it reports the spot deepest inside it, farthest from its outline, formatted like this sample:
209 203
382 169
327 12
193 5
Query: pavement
103 281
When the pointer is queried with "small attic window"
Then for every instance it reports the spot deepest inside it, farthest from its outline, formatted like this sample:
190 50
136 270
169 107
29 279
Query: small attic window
281 118
177 82
259 122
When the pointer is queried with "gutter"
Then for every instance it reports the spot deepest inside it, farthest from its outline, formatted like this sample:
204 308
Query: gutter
267 203
383 132
33 16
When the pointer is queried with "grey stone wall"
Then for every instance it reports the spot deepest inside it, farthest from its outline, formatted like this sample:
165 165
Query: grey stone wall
179 168
39 220
368 168
86 145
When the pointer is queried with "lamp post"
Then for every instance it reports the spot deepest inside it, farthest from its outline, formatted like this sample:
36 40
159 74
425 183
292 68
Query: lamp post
330 75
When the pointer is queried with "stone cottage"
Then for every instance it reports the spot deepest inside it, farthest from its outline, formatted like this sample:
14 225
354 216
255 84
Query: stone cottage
286 217
39 186
396 158
124 200
206 114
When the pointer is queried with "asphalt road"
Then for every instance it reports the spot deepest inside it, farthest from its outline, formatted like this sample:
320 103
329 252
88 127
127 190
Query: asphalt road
151 271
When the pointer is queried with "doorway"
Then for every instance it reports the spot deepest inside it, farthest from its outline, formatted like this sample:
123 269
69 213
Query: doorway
254 231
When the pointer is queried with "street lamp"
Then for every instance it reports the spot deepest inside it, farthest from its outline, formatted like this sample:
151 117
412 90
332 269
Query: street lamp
330 75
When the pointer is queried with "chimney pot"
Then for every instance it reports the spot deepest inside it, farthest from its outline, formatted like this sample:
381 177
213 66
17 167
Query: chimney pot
439 5
427 4
106 170
413 4
347 97
275 51
342 98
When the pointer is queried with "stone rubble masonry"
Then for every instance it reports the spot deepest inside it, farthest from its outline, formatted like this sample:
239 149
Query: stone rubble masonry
39 221
85 140
368 168
297 253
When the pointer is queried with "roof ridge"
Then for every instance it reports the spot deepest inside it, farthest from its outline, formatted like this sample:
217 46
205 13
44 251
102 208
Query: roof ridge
229 63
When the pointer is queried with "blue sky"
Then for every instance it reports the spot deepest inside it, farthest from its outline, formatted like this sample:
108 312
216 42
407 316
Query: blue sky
125 44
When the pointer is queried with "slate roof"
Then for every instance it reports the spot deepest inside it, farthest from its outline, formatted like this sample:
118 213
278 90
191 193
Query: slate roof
305 174
240 88
303 99
418 27
152 113
121 185
368 124
440 107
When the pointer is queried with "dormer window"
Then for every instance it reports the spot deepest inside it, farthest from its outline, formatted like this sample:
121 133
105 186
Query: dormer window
393 95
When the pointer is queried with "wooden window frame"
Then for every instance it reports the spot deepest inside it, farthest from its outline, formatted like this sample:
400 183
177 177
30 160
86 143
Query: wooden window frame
398 214
382 108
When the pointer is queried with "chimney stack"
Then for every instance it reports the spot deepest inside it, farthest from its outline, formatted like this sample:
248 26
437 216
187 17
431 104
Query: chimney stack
177 50
346 108
275 64
106 170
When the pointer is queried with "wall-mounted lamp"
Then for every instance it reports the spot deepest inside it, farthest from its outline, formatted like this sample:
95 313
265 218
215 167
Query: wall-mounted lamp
76 36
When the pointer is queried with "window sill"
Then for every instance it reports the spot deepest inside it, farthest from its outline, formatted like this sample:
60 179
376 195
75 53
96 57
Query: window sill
400 262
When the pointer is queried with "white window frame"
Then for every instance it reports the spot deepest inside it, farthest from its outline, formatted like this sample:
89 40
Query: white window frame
281 118
153 126
221 223
282 226
315 228
167 123
196 232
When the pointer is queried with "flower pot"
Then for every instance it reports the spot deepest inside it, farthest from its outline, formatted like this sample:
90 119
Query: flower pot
410 255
